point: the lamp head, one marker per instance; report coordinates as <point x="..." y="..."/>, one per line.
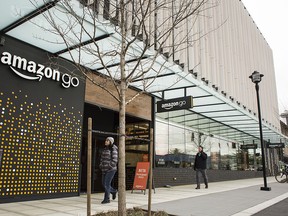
<point x="256" y="77"/>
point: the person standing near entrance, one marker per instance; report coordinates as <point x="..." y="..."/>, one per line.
<point x="108" y="166"/>
<point x="200" y="167"/>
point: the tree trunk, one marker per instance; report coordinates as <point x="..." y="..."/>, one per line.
<point x="121" y="165"/>
<point x="122" y="120"/>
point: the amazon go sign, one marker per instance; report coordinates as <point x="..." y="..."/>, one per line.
<point x="175" y="104"/>
<point x="30" y="70"/>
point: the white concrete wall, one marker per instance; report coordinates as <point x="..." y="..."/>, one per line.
<point x="240" y="49"/>
<point x="230" y="50"/>
<point x="227" y="47"/>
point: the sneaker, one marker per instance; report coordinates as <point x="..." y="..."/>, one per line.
<point x="114" y="195"/>
<point x="197" y="188"/>
<point x="105" y="201"/>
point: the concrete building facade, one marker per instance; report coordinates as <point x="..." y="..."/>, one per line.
<point x="46" y="98"/>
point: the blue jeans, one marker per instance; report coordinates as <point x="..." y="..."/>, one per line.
<point x="107" y="178"/>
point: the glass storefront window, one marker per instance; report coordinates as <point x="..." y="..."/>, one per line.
<point x="176" y="146"/>
<point x="137" y="143"/>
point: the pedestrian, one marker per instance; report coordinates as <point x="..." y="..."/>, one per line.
<point x="200" y="167"/>
<point x="108" y="166"/>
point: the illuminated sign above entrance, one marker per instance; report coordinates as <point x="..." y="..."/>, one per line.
<point x="36" y="71"/>
<point x="175" y="104"/>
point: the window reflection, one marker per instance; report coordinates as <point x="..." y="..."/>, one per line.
<point x="176" y="146"/>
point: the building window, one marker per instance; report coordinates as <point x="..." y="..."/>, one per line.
<point x="176" y="146"/>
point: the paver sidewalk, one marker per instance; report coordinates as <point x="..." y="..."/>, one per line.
<point x="238" y="202"/>
<point x="240" y="197"/>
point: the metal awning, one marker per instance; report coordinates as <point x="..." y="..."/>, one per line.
<point x="213" y="113"/>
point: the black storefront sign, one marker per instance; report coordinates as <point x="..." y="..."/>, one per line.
<point x="249" y="146"/>
<point x="175" y="104"/>
<point x="40" y="123"/>
<point x="275" y="145"/>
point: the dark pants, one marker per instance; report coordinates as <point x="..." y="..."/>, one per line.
<point x="204" y="175"/>
<point x="107" y="178"/>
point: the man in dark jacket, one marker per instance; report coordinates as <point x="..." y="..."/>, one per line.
<point x="200" y="167"/>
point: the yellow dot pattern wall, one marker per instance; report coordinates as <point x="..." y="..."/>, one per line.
<point x="40" y="146"/>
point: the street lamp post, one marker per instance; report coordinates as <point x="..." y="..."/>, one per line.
<point x="256" y="78"/>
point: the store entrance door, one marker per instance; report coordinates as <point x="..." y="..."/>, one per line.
<point x="105" y="121"/>
<point x="97" y="146"/>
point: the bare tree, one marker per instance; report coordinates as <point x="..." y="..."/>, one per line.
<point x="144" y="36"/>
<point x="175" y="151"/>
<point x="198" y="138"/>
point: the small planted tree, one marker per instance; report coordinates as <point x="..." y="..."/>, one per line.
<point x="126" y="42"/>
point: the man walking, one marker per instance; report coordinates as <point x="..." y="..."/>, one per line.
<point x="200" y="167"/>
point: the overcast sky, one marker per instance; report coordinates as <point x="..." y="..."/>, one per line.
<point x="271" y="17"/>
